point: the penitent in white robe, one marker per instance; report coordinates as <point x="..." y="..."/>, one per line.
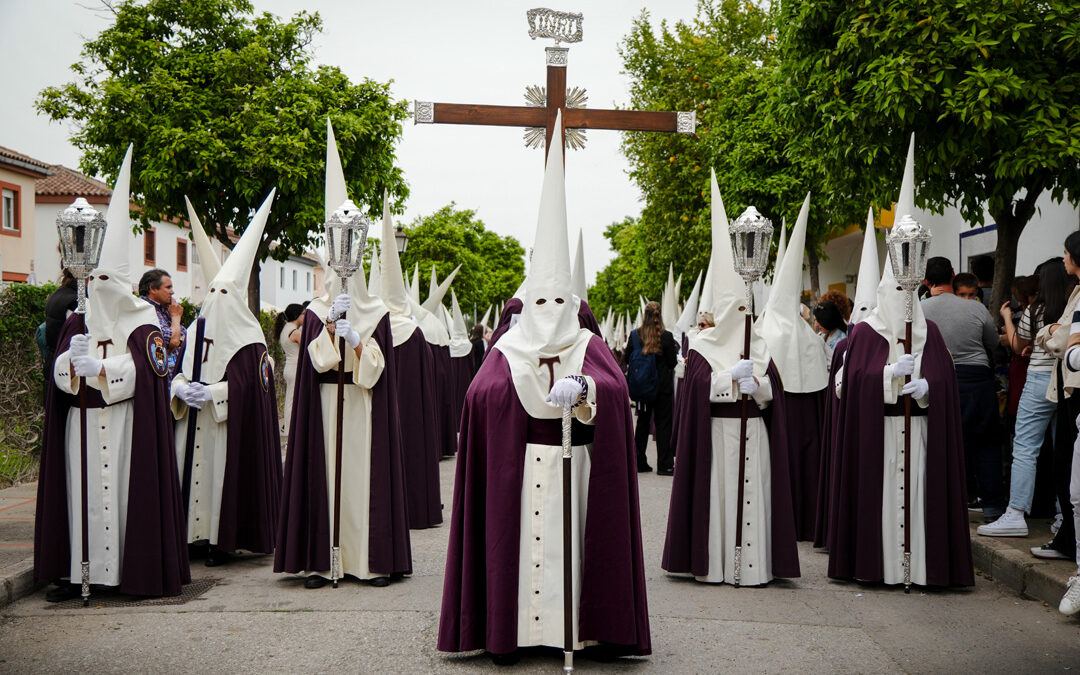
<point x="361" y="374"/>
<point x="724" y="486"/>
<point x="892" y="494"/>
<point x="207" y="458"/>
<point x="108" y="462"/>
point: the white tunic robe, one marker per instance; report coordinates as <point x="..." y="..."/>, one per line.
<point x="892" y="493"/>
<point x="724" y="487"/>
<point x="207" y="459"/>
<point x="364" y="373"/>
<point x="108" y="462"/>
<point x="540" y="562"/>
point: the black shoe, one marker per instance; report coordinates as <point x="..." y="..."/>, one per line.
<point x="315" y="581"/>
<point x="665" y="472"/>
<point x="215" y="556"/>
<point x="379" y="582"/>
<point x="643" y="468"/>
<point x="506" y="659"/>
<point x="63" y="593"/>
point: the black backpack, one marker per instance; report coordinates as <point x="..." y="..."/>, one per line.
<point x="641" y="373"/>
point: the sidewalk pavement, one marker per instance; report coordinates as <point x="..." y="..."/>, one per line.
<point x="1006" y="560"/>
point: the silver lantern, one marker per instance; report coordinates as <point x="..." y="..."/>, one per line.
<point x="751" y="237"/>
<point x="81" y="229"/>
<point x="346" y="237"/>
<point x="909" y="248"/>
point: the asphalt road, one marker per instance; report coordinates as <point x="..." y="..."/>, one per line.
<point x="244" y="618"/>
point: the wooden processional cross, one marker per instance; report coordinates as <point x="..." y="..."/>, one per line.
<point x="543" y="104"/>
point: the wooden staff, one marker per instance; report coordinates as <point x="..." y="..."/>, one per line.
<point x="742" y="451"/>
<point x="193" y="415"/>
<point x="335" y="549"/>
<point x="568" y="540"/>
<point x="84" y="472"/>
<point x="907" y="457"/>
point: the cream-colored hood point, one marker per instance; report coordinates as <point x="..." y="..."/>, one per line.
<point x="869" y="273"/>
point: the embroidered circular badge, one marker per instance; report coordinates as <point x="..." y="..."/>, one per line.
<point x="156" y="354"/>
<point x="266" y="371"/>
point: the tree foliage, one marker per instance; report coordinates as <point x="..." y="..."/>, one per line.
<point x="223" y="104"/>
<point x="492" y="266"/>
<point x="991" y="89"/>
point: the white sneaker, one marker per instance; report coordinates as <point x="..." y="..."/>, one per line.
<point x="1070" y="602"/>
<point x="1056" y="525"/>
<point x="1010" y="524"/>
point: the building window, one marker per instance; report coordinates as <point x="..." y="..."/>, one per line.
<point x="294" y="280"/>
<point x="195" y="255"/>
<point x="149" y="247"/>
<point x="308" y="280"/>
<point x="181" y="255"/>
<point x="9" y="209"/>
<point x="282" y="276"/>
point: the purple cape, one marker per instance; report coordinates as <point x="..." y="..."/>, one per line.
<point x="461" y="375"/>
<point x="828" y="442"/>
<point x="303" y="537"/>
<point x="586" y="319"/>
<point x="252" y="486"/>
<point x="444" y="397"/>
<point x="854" y="528"/>
<point x="155" y="551"/>
<point x="479" y="607"/>
<point x="417" y="397"/>
<point x="805" y="419"/>
<point x="686" y="547"/>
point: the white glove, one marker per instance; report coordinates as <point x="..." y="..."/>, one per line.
<point x="194" y="394"/>
<point x="904" y="366"/>
<point x="748" y="385"/>
<point x="80" y="345"/>
<point x="340" y="307"/>
<point x="742" y="370"/>
<point x="344" y="329"/>
<point x="86" y="366"/>
<point x="565" y="393"/>
<point x="917" y="388"/>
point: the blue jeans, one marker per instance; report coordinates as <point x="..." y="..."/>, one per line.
<point x="1032" y="419"/>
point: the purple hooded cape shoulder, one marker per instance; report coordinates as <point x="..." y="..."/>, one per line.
<point x="586" y="319"/>
<point x="251" y="491"/>
<point x="686" y="548"/>
<point x="854" y="527"/>
<point x="155" y="551"/>
<point x="444" y="397"/>
<point x="828" y="443"/>
<point x="419" y="406"/>
<point x="303" y="536"/>
<point x="479" y="607"/>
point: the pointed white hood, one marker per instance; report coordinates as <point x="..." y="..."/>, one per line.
<point x="798" y="352"/>
<point x="459" y="336"/>
<point x="577" y="276"/>
<point x="112" y="310"/>
<point x="208" y="260"/>
<point x="432" y="285"/>
<point x="687" y="323"/>
<point x="781" y="248"/>
<point x="723" y="345"/>
<point x="230" y="325"/>
<point x="669" y="304"/>
<point x="375" y="275"/>
<point x="869" y="273"/>
<point x="888" y="317"/>
<point x="437" y="293"/>
<point x="414" y="285"/>
<point x="394" y="296"/>
<point x="486" y="319"/>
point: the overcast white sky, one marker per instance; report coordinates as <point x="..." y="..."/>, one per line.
<point x="433" y="50"/>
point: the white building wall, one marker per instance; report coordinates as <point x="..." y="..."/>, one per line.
<point x="282" y="283"/>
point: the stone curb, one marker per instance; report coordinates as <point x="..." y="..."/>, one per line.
<point x="1031" y="577"/>
<point x="17" y="581"/>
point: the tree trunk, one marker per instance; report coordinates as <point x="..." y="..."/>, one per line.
<point x="1009" y="228"/>
<point x="253" y="289"/>
<point x="815" y="279"/>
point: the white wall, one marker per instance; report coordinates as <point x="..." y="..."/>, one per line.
<point x="282" y="283"/>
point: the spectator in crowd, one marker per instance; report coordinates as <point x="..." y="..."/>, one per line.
<point x="156" y="287"/>
<point x="829" y="323"/>
<point x="939" y="276"/>
<point x="983" y="268"/>
<point x="966" y="286"/>
<point x="288" y="328"/>
<point x="1034" y="412"/>
<point x="63" y="301"/>
<point x="652" y="340"/>
<point x="1054" y="338"/>
<point x="479" y="346"/>
<point x="970" y="335"/>
<point x="706" y="320"/>
<point x="842" y="302"/>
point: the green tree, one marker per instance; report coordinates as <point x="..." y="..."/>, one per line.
<point x="721" y="64"/>
<point x="223" y="104"/>
<point x="492" y="266"/>
<point x="617" y="285"/>
<point x="991" y="89"/>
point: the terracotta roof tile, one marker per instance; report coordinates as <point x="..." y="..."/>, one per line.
<point x="69" y="182"/>
<point x="8" y="156"/>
